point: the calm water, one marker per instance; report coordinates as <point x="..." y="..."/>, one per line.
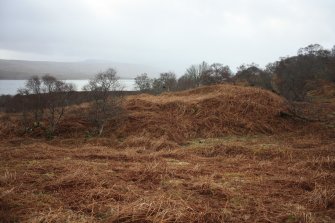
<point x="11" y="86"/>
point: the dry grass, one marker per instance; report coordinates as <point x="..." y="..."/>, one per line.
<point x="322" y="198"/>
<point x="213" y="154"/>
<point x="212" y="111"/>
<point x="148" y="142"/>
<point x="237" y="179"/>
<point x="205" y="112"/>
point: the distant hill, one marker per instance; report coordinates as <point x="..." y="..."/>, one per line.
<point x="22" y="69"/>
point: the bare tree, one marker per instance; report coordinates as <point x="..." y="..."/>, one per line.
<point x="57" y="95"/>
<point x="143" y="82"/>
<point x="166" y="82"/>
<point x="47" y="96"/>
<point x="33" y="87"/>
<point x="24" y="106"/>
<point x="195" y="72"/>
<point x="157" y="86"/>
<point x="333" y="51"/>
<point x="311" y="49"/>
<point x="105" y="91"/>
<point x="203" y="74"/>
<point x="292" y="76"/>
<point x="185" y="82"/>
<point x="253" y="75"/>
<point x="215" y="74"/>
<point x="169" y="81"/>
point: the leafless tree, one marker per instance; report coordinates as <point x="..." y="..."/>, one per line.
<point x="253" y="75"/>
<point x="215" y="74"/>
<point x="195" y="72"/>
<point x="157" y="86"/>
<point x="166" y="82"/>
<point x="33" y="87"/>
<point x="105" y="92"/>
<point x="185" y="82"/>
<point x="24" y="106"/>
<point x="314" y="50"/>
<point x="292" y="76"/>
<point x="57" y="95"/>
<point x="143" y="82"/>
<point x="47" y="96"/>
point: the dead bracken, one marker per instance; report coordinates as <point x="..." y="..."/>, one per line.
<point x="214" y="154"/>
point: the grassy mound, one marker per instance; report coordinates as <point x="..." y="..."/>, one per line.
<point x="172" y="118"/>
<point x="204" y="112"/>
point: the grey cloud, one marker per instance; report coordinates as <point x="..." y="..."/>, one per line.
<point x="168" y="34"/>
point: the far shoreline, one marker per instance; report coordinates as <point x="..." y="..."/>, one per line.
<point x="66" y="79"/>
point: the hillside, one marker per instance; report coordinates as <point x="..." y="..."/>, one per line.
<point x="211" y="111"/>
<point x="21" y="70"/>
<point x="222" y="153"/>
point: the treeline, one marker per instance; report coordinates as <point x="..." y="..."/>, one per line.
<point x="288" y="77"/>
<point x="43" y="102"/>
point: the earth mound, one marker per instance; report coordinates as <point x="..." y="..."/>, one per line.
<point x="210" y="111"/>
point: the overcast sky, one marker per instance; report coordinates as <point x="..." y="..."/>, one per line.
<point x="169" y="34"/>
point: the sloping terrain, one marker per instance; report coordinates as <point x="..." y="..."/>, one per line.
<point x="214" y="154"/>
<point x="282" y="178"/>
<point x="212" y="111"/>
<point x="205" y="112"/>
